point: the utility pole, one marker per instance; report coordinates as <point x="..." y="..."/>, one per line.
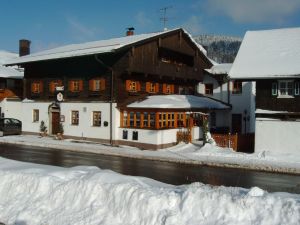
<point x="164" y="17"/>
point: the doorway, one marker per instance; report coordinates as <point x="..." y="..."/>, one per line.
<point x="236" y="123"/>
<point x="54" y="122"/>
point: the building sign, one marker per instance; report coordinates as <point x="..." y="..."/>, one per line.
<point x="60" y="97"/>
<point x="59" y="88"/>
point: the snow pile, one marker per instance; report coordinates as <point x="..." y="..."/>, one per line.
<point x="36" y="195"/>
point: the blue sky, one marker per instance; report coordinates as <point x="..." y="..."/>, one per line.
<point x="52" y="23"/>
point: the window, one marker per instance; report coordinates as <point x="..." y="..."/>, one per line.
<point x="96" y="118"/>
<point x="168" y="88"/>
<point x="133" y="86"/>
<point x="74" y="117"/>
<point x="237" y="87"/>
<point x="53" y="85"/>
<point x="285" y="88"/>
<point x="274" y="89"/>
<point x="124" y="119"/>
<point x="152" y="87"/>
<point x="97" y="84"/>
<point x="35" y="115"/>
<point x="36" y="87"/>
<point x="75" y="85"/>
<point x="297" y="89"/>
<point x="209" y="89"/>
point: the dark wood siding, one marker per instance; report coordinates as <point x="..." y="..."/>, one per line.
<point x="265" y="100"/>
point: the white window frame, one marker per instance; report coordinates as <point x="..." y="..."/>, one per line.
<point x="274" y="89"/>
<point x="284" y="92"/>
<point x="35" y="115"/>
<point x="297" y="88"/>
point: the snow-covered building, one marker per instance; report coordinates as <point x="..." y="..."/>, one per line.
<point x="10" y="88"/>
<point x="271" y="58"/>
<point x="240" y="95"/>
<point x="100" y="90"/>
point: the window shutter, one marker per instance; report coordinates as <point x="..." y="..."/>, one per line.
<point x="156" y="87"/>
<point x="164" y="88"/>
<point x="41" y="86"/>
<point x="51" y="87"/>
<point x="138" y="86"/>
<point x="172" y="89"/>
<point x="71" y="85"/>
<point x="128" y="85"/>
<point x="297" y="89"/>
<point x="80" y="85"/>
<point x="274" y="89"/>
<point x="91" y="85"/>
<point x="102" y="83"/>
<point x="148" y="86"/>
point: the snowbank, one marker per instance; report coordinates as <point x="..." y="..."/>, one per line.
<point x="36" y="195"/>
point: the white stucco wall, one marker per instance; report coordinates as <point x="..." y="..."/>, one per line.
<point x="11" y="109"/>
<point x="157" y="137"/>
<point x="277" y="136"/>
<point x="239" y="102"/>
<point x="83" y="129"/>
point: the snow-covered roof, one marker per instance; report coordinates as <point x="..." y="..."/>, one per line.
<point x="223" y="68"/>
<point x="95" y="47"/>
<point x="268" y="54"/>
<point x="8" y="72"/>
<point x="178" y="102"/>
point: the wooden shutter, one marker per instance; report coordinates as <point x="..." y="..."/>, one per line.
<point x="80" y="85"/>
<point x="128" y="85"/>
<point x="41" y="86"/>
<point x="102" y="83"/>
<point x="138" y="86"/>
<point x="91" y="85"/>
<point x="148" y="84"/>
<point x="51" y="87"/>
<point x="172" y="88"/>
<point x="164" y="88"/>
<point x="71" y="85"/>
<point x="156" y="87"/>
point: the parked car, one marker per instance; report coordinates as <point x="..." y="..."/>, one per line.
<point x="9" y="126"/>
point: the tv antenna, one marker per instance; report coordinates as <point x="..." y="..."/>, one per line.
<point x="164" y="17"/>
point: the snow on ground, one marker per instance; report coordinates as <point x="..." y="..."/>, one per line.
<point x="184" y="153"/>
<point x="38" y="195"/>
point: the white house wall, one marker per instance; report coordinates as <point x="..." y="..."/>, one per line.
<point x="11" y="109"/>
<point x="239" y="102"/>
<point x="157" y="137"/>
<point x="277" y="136"/>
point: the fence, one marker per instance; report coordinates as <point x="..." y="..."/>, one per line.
<point x="184" y="136"/>
<point x="226" y="140"/>
<point x="238" y="142"/>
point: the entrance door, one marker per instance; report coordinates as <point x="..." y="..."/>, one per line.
<point x="55" y="122"/>
<point x="236" y="123"/>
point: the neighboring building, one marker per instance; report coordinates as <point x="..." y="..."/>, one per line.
<point x="271" y="58"/>
<point x="240" y="95"/>
<point x="11" y="87"/>
<point x="90" y="88"/>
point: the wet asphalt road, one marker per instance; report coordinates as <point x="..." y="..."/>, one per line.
<point x="172" y="173"/>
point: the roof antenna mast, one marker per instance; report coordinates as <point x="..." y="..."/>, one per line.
<point x="164" y="17"/>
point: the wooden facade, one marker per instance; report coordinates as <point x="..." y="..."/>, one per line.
<point x="172" y="62"/>
<point x="267" y="100"/>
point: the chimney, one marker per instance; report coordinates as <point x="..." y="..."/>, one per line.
<point x="130" y="31"/>
<point x="24" y="47"/>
